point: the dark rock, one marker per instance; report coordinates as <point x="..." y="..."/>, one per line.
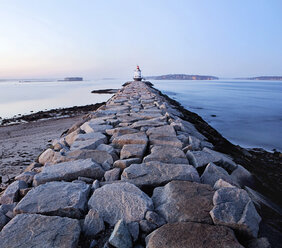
<point x="189" y="234"/>
<point x="180" y="201"/>
<point x="34" y="230"/>
<point x="56" y="198"/>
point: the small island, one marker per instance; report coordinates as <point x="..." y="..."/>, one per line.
<point x="272" y="78"/>
<point x="72" y="79"/>
<point x="182" y="77"/>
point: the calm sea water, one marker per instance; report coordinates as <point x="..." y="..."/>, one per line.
<point x="23" y="97"/>
<point x="248" y="113"/>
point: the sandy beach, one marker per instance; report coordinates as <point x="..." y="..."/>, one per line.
<point x="21" y="144"/>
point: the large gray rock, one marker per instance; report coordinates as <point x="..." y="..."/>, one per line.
<point x="156" y="122"/>
<point x="135" y="138"/>
<point x="180" y="201"/>
<point x="120" y="201"/>
<point x="3" y="220"/>
<point x="166" y="154"/>
<point x="34" y="230"/>
<point x="160" y="131"/>
<point x="225" y="160"/>
<point x="48" y="156"/>
<point x="163" y="140"/>
<point x="242" y="176"/>
<point x="199" y="158"/>
<point x="121" y="131"/>
<point x="146" y="115"/>
<point x="157" y="173"/>
<point x="234" y="208"/>
<point x="109" y="149"/>
<point x="88" y="141"/>
<point x="93" y="223"/>
<point x="11" y="194"/>
<point x="213" y="173"/>
<point x="71" y="137"/>
<point x="91" y="127"/>
<point x="98" y="156"/>
<point x="120" y="236"/>
<point x="69" y="171"/>
<point x="56" y="198"/>
<point x="132" y="151"/>
<point x="189" y="234"/>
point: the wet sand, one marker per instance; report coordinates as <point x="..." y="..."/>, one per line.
<point x="21" y="144"/>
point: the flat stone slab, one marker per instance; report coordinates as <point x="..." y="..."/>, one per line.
<point x="188" y="234"/>
<point x="161" y="140"/>
<point x="34" y="230"/>
<point x="166" y="154"/>
<point x="180" y="201"/>
<point x="98" y="156"/>
<point x="56" y="198"/>
<point x="69" y="171"/>
<point x="201" y="158"/>
<point x="156" y="173"/>
<point x="234" y="208"/>
<point x="163" y="130"/>
<point x="120" y="201"/>
<point x="88" y="141"/>
<point x="147" y="115"/>
<point x="135" y="138"/>
<point x="90" y="127"/>
<point x="132" y="151"/>
<point x="121" y="131"/>
<point x="149" y="123"/>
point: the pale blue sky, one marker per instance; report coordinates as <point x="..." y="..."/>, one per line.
<point x="107" y="38"/>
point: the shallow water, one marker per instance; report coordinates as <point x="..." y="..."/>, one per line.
<point x="22" y="98"/>
<point x="248" y="113"/>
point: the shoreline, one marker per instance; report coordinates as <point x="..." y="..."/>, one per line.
<point x="23" y="138"/>
<point x="57" y="113"/>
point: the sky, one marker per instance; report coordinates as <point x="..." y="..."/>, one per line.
<point x="108" y="38"/>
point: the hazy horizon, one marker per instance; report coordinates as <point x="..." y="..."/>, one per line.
<point x="106" y="39"/>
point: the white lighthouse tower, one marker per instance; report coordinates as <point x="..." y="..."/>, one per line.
<point x="137" y="74"/>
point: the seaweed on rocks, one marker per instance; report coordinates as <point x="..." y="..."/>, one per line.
<point x="52" y="114"/>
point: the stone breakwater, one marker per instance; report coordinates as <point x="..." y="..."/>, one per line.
<point x="131" y="174"/>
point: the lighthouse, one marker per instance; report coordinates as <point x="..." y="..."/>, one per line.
<point x="137" y="74"/>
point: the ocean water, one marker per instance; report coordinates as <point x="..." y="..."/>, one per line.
<point x="23" y="97"/>
<point x="248" y="113"/>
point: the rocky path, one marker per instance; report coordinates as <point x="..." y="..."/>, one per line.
<point x="132" y="174"/>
